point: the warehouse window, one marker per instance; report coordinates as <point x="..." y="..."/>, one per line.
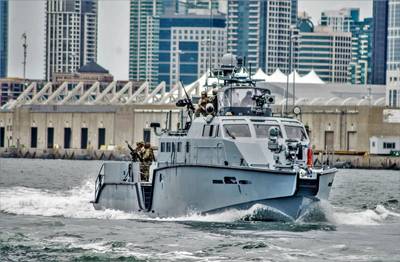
<point x="146" y="135"/>
<point x="33" y="137"/>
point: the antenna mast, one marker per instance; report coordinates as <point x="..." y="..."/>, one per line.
<point x="24" y="46"/>
<point x="210" y="34"/>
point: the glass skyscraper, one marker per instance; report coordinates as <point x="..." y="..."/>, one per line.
<point x="71" y="35"/>
<point x="348" y="20"/>
<point x="379" y="49"/>
<point x="143" y="40"/>
<point x="259" y="30"/>
<point x="393" y="54"/>
<point x="3" y="37"/>
<point x="326" y="52"/>
<point x="187" y="43"/>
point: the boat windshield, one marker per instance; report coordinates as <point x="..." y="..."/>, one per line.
<point x="237" y="130"/>
<point x="262" y="130"/>
<point x="296" y="132"/>
<point x="239" y="97"/>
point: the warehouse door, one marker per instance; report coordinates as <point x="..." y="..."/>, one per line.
<point x="351" y="141"/>
<point x="102" y="137"/>
<point x="33" y="137"/>
<point x="67" y="137"/>
<point x="329" y="141"/>
<point x="50" y="137"/>
<point x="2" y="136"/>
<point x="84" y="138"/>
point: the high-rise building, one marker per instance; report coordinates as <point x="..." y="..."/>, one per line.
<point x="348" y="20"/>
<point x="326" y="52"/>
<point x="360" y="68"/>
<point x="3" y="37"/>
<point x="189" y="45"/>
<point x="143" y="41"/>
<point x="246" y="30"/>
<point x="393" y="54"/>
<point x="340" y="20"/>
<point x="260" y="31"/>
<point x="379" y="49"/>
<point x="71" y="35"/>
<point x="280" y="41"/>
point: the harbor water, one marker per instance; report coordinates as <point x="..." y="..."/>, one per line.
<point x="46" y="215"/>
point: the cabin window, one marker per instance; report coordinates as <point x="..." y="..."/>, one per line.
<point x="262" y="130"/>
<point x="173" y="147"/>
<point x="216" y="132"/>
<point x="296" y="132"/>
<point x="208" y="130"/>
<point x="187" y="147"/>
<point x="163" y="147"/>
<point x="168" y="147"/>
<point x="211" y="130"/>
<point x="179" y="147"/>
<point x="235" y="130"/>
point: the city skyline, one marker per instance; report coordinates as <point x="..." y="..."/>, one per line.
<point x="113" y="44"/>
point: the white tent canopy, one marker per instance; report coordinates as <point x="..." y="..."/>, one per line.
<point x="312" y="78"/>
<point x="259" y="75"/>
<point x="279" y="77"/>
<point x="294" y="76"/>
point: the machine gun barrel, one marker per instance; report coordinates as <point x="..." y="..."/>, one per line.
<point x="190" y="103"/>
<point x="130" y="147"/>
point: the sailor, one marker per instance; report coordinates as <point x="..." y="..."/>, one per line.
<point x="214" y="99"/>
<point x="148" y="158"/>
<point x="137" y="154"/>
<point x="247" y="100"/>
<point x="201" y="106"/>
<point x="235" y="99"/>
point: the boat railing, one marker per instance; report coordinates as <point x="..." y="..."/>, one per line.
<point x="99" y="183"/>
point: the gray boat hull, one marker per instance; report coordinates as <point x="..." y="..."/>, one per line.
<point x="182" y="190"/>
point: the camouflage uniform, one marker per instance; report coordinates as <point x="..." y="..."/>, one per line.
<point x="137" y="154"/>
<point x="148" y="158"/>
<point x="214" y="100"/>
<point x="201" y="106"/>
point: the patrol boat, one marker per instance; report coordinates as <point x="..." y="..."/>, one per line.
<point x="235" y="156"/>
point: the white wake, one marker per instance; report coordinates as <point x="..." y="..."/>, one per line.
<point x="75" y="203"/>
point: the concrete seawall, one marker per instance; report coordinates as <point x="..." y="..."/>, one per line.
<point x="362" y="161"/>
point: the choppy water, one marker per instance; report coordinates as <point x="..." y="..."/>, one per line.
<point x="45" y="215"/>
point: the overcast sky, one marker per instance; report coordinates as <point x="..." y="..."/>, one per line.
<point x="113" y="44"/>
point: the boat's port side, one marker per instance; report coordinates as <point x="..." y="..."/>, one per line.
<point x="184" y="189"/>
<point x="118" y="187"/>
